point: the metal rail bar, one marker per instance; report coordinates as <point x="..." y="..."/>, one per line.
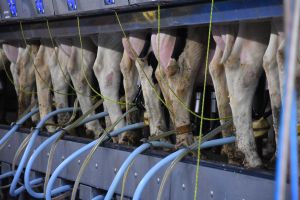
<point x="184" y="15"/>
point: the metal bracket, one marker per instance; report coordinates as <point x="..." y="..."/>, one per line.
<point x="39" y="5"/>
<point x="12" y="7"/>
<point x="72" y="4"/>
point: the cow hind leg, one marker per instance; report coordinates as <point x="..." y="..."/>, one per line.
<point x="152" y="103"/>
<point x="217" y="72"/>
<point x="271" y="70"/>
<point x="241" y="95"/>
<point x="80" y="72"/>
<point x="43" y="81"/>
<point x="60" y="81"/>
<point x="130" y="78"/>
<point x="107" y="70"/>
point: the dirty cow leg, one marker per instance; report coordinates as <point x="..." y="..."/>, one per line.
<point x="277" y="26"/>
<point x="80" y="70"/>
<point x="271" y="70"/>
<point x="34" y="100"/>
<point x="26" y="76"/>
<point x="108" y="74"/>
<point x="43" y="82"/>
<point x="140" y="43"/>
<point x="217" y="72"/>
<point x="153" y="106"/>
<point x="180" y="76"/>
<point x="243" y="69"/>
<point x="60" y="81"/>
<point x="130" y="79"/>
<point x="280" y="62"/>
<point x="14" y="70"/>
<point x="11" y="52"/>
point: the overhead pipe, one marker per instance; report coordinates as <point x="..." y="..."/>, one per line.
<point x="17" y="125"/>
<point x="48" y="141"/>
<point x="171" y="157"/>
<point x="126" y="163"/>
<point x="12" y="190"/>
<point x="83" y="149"/>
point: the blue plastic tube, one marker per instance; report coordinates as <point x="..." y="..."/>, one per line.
<point x="17" y="125"/>
<point x="36" y="153"/>
<point x="12" y="190"/>
<point x="294" y="151"/>
<point x="139" y="190"/>
<point x="83" y="149"/>
<point x="125" y="165"/>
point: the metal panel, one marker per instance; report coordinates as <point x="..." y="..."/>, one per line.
<point x="41" y="8"/>
<point x="71" y="7"/>
<point x="195" y="14"/>
<point x="26" y="9"/>
<point x="216" y="181"/>
<point x="162" y="2"/>
<point x="12" y="12"/>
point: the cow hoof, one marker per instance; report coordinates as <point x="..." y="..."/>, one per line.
<point x="235" y="161"/>
<point x="130" y="138"/>
<point x="92" y="134"/>
<point x="51" y="129"/>
<point x="184" y="140"/>
<point x="115" y="140"/>
<point x="254" y="164"/>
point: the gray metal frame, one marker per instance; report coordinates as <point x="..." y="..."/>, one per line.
<point x="218" y="182"/>
<point x="184" y="15"/>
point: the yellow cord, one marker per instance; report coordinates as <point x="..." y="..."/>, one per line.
<point x="125" y="179"/>
<point x="35" y="67"/>
<point x="203" y="101"/>
<point x="84" y="73"/>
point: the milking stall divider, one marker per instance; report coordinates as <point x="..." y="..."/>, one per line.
<point x="216" y="181"/>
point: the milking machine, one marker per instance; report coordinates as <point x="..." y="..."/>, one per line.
<point x="43" y="146"/>
<point x="10" y="133"/>
<point x="111" y="162"/>
<point x="168" y="159"/>
<point x="13" y="191"/>
<point x="82" y="150"/>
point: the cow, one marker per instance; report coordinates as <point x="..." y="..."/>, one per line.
<point x="79" y="68"/>
<point x="134" y="66"/>
<point x="241" y="52"/>
<point x="179" y="53"/>
<point x="107" y="71"/>
<point x="23" y="73"/>
<point x="43" y="81"/>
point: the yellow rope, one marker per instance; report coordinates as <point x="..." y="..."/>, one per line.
<point x="125" y="179"/>
<point x="84" y="73"/>
<point x="35" y="67"/>
<point x="203" y="101"/>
